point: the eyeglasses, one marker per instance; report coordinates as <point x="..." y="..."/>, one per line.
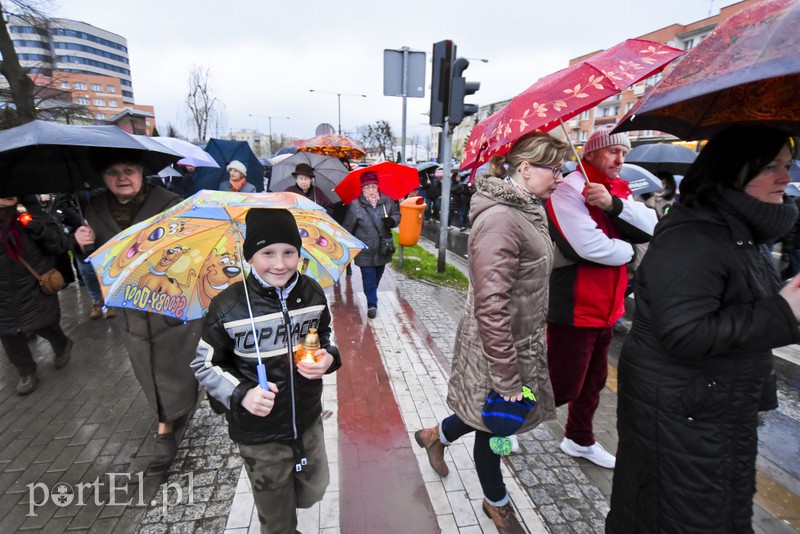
<point x="556" y="169"/>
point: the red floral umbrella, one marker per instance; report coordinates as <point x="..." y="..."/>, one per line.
<point x="394" y="180"/>
<point x="564" y="94"/>
<point x="746" y="71"/>
<point x="337" y="146"/>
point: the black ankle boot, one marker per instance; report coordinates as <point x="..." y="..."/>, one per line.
<point x="164" y="453"/>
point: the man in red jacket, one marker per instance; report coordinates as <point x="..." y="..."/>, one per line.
<point x="593" y="221"/>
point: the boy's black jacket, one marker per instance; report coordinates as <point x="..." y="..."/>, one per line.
<point x="226" y="360"/>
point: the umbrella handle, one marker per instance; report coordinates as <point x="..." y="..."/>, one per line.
<point x="575" y="152"/>
<point x="262" y="376"/>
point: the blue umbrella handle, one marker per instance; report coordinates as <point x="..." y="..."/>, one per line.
<point x="262" y="376"/>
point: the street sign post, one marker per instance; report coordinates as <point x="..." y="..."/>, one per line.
<point x="404" y="75"/>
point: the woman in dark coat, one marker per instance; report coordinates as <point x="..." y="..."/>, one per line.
<point x="26" y="310"/>
<point x="696" y="368"/>
<point x="160" y="348"/>
<point x="370" y="217"/>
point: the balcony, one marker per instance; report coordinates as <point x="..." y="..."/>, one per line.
<point x="603" y="121"/>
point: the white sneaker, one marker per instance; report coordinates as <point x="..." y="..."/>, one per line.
<point x="594" y="453"/>
<point x="514" y="444"/>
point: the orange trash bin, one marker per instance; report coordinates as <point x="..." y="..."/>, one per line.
<point x="412" y="212"/>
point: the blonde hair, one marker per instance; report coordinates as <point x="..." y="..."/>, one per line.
<point x="535" y="147"/>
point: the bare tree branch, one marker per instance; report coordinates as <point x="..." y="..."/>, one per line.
<point x="201" y="105"/>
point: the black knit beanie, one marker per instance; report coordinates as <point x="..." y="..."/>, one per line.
<point x="265" y="227"/>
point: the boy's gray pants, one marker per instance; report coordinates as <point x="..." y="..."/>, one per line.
<point x="278" y="489"/>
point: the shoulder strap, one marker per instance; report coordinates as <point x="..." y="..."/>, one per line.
<point x="25" y="263"/>
<point x="372" y="220"/>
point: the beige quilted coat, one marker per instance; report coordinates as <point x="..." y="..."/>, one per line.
<point x="500" y="342"/>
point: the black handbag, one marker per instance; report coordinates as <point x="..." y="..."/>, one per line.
<point x="386" y="247"/>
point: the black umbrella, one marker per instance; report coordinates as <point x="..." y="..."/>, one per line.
<point x="675" y="159"/>
<point x="48" y="157"/>
<point x="426" y="165"/>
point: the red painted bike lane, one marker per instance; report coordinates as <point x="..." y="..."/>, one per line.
<point x="380" y="486"/>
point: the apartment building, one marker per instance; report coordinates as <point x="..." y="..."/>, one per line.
<point x="76" y="62"/>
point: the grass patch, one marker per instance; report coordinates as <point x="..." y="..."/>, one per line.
<point x="420" y="264"/>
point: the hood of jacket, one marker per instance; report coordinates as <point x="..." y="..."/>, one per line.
<point x="491" y="190"/>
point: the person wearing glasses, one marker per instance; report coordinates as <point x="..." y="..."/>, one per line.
<point x="500" y="342"/>
<point x="594" y="222"/>
<point x="237" y="179"/>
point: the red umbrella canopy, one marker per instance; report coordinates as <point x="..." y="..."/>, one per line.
<point x="394" y="180"/>
<point x="564" y="94"/>
<point x="746" y="71"/>
<point x="337" y="146"/>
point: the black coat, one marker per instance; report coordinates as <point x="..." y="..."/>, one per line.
<point x="359" y="222"/>
<point x="25" y="308"/>
<point x="694" y="372"/>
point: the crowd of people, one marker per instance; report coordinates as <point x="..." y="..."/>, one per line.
<point x="549" y="259"/>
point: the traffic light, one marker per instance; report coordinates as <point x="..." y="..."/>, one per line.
<point x="443" y="54"/>
<point x="459" y="88"/>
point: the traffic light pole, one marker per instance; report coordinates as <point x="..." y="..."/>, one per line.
<point x="444" y="210"/>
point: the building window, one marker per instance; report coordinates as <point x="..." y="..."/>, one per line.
<point x="65" y="85"/>
<point x="97" y="87"/>
<point x="88" y="37"/>
<point x="584" y="135"/>
<point x="80" y="86"/>
<point x="100" y="116"/>
<point x="99" y="102"/>
<point x="111" y="89"/>
<point x="83" y="101"/>
<point x="688" y="44"/>
<point x="628" y="106"/>
<point x="585" y="115"/>
<point x="112" y="103"/>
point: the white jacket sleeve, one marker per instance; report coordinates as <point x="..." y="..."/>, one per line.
<point x="577" y="227"/>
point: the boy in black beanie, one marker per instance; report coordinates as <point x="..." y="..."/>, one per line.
<point x="279" y="430"/>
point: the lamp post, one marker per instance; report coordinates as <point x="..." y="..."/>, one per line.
<point x="339" y="102"/>
<point x="269" y="118"/>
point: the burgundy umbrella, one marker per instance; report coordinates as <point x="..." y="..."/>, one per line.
<point x="747" y="71"/>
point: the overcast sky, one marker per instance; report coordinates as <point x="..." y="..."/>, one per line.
<point x="265" y="55"/>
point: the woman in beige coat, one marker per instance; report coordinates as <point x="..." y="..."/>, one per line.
<point x="500" y="342"/>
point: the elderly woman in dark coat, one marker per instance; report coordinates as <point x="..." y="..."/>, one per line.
<point x="26" y="310"/>
<point x="371" y="217"/>
<point x="160" y="348"/>
<point x="304" y="185"/>
<point x="696" y="367"/>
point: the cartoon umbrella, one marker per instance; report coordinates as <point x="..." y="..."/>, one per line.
<point x="175" y="262"/>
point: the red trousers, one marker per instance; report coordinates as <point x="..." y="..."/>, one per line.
<point x="577" y="358"/>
